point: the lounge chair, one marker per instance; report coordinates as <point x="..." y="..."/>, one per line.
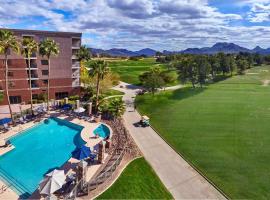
<point x="22" y="121"/>
<point x="6" y="127"/>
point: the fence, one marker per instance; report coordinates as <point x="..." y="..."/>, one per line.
<point x="119" y="148"/>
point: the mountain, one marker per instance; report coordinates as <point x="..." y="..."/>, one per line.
<point x="260" y="50"/>
<point x="147" y="52"/>
<point x="216" y="48"/>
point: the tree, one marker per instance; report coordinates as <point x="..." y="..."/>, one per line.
<point x="258" y="59"/>
<point x="224" y="63"/>
<point x="158" y="54"/>
<point x="153" y="82"/>
<point x="99" y="69"/>
<point x="30" y="46"/>
<point x="232" y="64"/>
<point x="203" y="69"/>
<point x="83" y="54"/>
<point x="8" y="42"/>
<point x="242" y="65"/>
<point x="116" y="107"/>
<point x="48" y="48"/>
<point x="188" y="70"/>
<point x="215" y="65"/>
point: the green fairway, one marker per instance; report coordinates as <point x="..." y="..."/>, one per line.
<point x="223" y="129"/>
<point x="130" y="70"/>
<point x="138" y="181"/>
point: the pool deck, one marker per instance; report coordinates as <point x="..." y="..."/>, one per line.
<point x="86" y="134"/>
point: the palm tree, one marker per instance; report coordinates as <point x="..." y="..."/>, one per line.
<point x="83" y="54"/>
<point x="8" y="42"/>
<point x="116" y="108"/>
<point x="99" y="69"/>
<point x="48" y="48"/>
<point x="30" y="46"/>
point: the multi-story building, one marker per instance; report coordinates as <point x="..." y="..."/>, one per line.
<point x="64" y="71"/>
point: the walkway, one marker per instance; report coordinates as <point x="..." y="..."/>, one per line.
<point x="177" y="175"/>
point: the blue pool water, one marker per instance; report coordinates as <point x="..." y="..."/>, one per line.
<point x="38" y="150"/>
<point x="102" y="130"/>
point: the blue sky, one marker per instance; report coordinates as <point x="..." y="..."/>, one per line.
<point x="136" y="24"/>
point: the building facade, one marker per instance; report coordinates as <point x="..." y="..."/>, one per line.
<point x="64" y="70"/>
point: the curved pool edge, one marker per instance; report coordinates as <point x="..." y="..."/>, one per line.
<point x="88" y="132"/>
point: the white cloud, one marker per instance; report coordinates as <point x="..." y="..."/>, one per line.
<point x="160" y="24"/>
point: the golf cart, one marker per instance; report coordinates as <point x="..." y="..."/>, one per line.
<point x="144" y="122"/>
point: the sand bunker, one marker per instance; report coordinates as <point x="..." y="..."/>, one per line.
<point x="266" y="82"/>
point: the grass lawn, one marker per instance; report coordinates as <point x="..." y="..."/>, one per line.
<point x="223" y="129"/>
<point x="130" y="70"/>
<point x="138" y="181"/>
<point x="112" y="92"/>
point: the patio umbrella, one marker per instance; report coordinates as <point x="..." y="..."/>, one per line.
<point x="66" y="107"/>
<point x="52" y="182"/>
<point x="81" y="153"/>
<point x="5" y="121"/>
<point x="79" y="110"/>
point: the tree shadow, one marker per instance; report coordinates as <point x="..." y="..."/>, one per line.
<point x="186" y="92"/>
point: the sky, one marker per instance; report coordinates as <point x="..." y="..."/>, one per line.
<point x="137" y="24"/>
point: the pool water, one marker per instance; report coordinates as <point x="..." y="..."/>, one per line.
<point x="44" y="147"/>
<point x="102" y="131"/>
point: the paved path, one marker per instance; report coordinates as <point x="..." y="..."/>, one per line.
<point x="177" y="175"/>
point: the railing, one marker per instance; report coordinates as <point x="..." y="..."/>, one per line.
<point x="121" y="146"/>
<point x="76" y="65"/>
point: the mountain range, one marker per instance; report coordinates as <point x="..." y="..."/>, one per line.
<point x="216" y="48"/>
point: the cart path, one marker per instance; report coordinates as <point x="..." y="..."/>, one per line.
<point x="177" y="175"/>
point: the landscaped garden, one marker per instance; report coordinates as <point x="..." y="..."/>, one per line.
<point x="222" y="129"/>
<point x="138" y="181"/>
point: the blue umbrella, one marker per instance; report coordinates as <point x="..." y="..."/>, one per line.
<point x="81" y="153"/>
<point x="5" y="121"/>
<point x="66" y="107"/>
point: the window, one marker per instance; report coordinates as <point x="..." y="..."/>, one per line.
<point x="11" y="84"/>
<point x="10" y="74"/>
<point x="15" y="99"/>
<point x="44" y="62"/>
<point x="35" y="96"/>
<point x="45" y="82"/>
<point x="45" y="72"/>
<point x="61" y="95"/>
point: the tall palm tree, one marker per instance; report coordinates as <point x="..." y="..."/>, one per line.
<point x="99" y="69"/>
<point x="8" y="42"/>
<point x="48" y="48"/>
<point x="30" y="46"/>
<point x="83" y="54"/>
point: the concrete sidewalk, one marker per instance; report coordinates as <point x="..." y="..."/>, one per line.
<point x="176" y="174"/>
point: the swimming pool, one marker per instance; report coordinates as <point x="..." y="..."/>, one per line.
<point x="37" y="150"/>
<point x="102" y="130"/>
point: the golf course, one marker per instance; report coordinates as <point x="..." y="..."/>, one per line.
<point x="223" y="129"/>
<point x="129" y="70"/>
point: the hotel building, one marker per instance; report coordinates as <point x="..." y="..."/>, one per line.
<point x="64" y="71"/>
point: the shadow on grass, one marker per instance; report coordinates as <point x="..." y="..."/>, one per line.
<point x="186" y="92"/>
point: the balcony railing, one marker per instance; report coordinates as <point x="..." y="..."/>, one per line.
<point x="76" y="83"/>
<point x="76" y="65"/>
<point x="34" y="76"/>
<point x="76" y="75"/>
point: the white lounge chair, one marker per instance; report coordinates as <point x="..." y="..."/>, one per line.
<point x="22" y="121"/>
<point x="7" y="127"/>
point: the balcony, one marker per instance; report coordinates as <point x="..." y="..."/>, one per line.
<point x="76" y="75"/>
<point x="76" y="83"/>
<point x="34" y="84"/>
<point x="76" y="65"/>
<point x="76" y="43"/>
